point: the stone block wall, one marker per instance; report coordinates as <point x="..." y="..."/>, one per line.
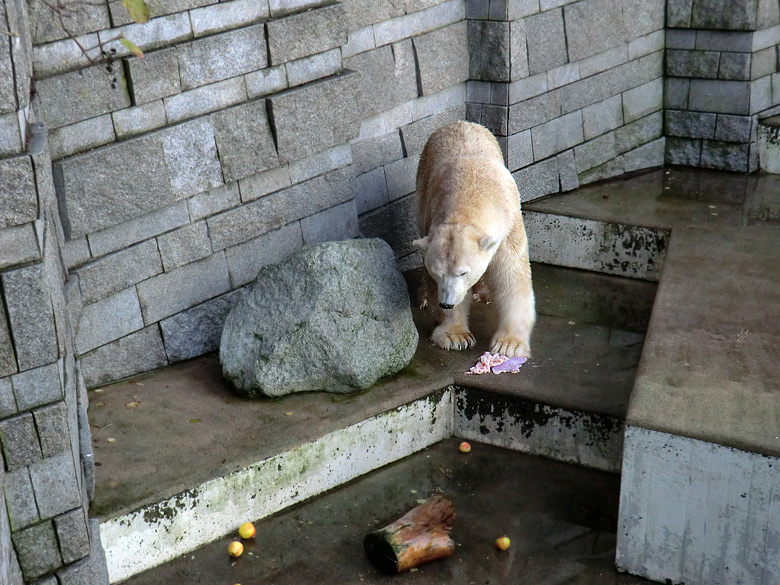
<point x="139" y="196"/>
<point x="721" y="76"/>
<point x="47" y="473"/>
<point x="247" y="130"/>
<point x="574" y="89"/>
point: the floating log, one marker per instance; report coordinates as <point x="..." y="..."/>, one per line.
<point x="419" y="536"/>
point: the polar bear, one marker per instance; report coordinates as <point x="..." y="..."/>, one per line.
<point x="468" y="211"/>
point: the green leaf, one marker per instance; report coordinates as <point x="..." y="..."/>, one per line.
<point x="133" y="48"/>
<point x="137" y="9"/>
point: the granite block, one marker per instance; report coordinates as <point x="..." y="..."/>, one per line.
<point x="7" y="400"/>
<point x="139" y="119"/>
<point x="205" y="99"/>
<point x="260" y="184"/>
<point x="645" y="99"/>
<point x="118" y="271"/>
<point x="55" y="484"/>
<point x="733" y="128"/>
<point x="189" y="285"/>
<point x="313" y="117"/>
<point x="374" y="152"/>
<point x="30" y="315"/>
<point x="108" y="319"/>
<point x="155" y="76"/>
<point x="138" y="352"/>
<point x="277" y="209"/>
<point x="557" y="135"/>
<point x="18" y="245"/>
<point x="317" y="66"/>
<point x="197" y="330"/>
<point x="336" y="223"/>
<point x="371" y="190"/>
<point x="546" y="40"/>
<point x="685" y="124"/>
<point x="442" y="57"/>
<point x="265" y="81"/>
<point x="246" y="259"/>
<point x="20" y="499"/>
<point x="37" y="550"/>
<point x="184" y="245"/>
<point x="226" y="16"/>
<point x="602" y="117"/>
<point x="79" y="95"/>
<point x="320" y="163"/>
<point x="19" y="440"/>
<point x="73" y="535"/>
<point x="81" y="136"/>
<point x="593" y="27"/>
<point x="306" y="33"/>
<point x="211" y="202"/>
<point x="17" y="183"/>
<point x="221" y="56"/>
<point x="387" y="77"/>
<point x="138" y="229"/>
<point x="489" y="50"/>
<point x="720" y="97"/>
<point x="244" y="140"/>
<point x="53" y="432"/>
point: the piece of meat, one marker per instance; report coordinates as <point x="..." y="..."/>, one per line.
<point x="486" y="362"/>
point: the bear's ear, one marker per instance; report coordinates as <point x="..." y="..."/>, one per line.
<point x="487" y="243"/>
<point x="422" y="243"/>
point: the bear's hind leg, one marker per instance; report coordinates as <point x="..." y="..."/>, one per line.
<point x="453" y="329"/>
<point x="481" y="292"/>
<point x="426" y="292"/>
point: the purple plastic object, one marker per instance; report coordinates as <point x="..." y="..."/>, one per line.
<point x="512" y="365"/>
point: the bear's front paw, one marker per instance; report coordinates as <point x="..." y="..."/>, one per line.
<point x="510" y="346"/>
<point x="453" y="338"/>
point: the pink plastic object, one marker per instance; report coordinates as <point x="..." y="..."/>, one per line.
<point x="512" y="365"/>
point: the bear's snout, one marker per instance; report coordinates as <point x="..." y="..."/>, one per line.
<point x="446" y="306"/>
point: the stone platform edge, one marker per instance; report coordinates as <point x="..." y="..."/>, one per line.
<point x="156" y="533"/>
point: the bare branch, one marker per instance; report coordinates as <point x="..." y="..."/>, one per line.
<point x="65" y="9"/>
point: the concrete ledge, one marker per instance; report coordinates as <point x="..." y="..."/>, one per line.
<point x="207" y="457"/>
<point x="161" y="531"/>
<point x="709" y="370"/>
<point x="512" y="422"/>
<point x="702" y="442"/>
<point x="696" y="512"/>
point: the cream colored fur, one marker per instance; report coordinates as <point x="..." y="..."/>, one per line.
<point x="468" y="210"/>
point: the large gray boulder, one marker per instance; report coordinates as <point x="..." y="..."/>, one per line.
<point x="333" y="317"/>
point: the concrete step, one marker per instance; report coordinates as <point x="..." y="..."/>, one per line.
<point x="181" y="460"/>
<point x="701" y="458"/>
<point x="691" y="446"/>
<point x="561" y="520"/>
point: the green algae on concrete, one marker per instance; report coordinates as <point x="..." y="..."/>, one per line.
<point x="561" y="520"/>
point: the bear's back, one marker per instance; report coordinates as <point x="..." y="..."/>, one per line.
<point x="461" y="139"/>
<point x="462" y="178"/>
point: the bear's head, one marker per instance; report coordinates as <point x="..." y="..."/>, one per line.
<point x="456" y="256"/>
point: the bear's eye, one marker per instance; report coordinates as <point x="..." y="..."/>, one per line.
<point x="463" y="273"/>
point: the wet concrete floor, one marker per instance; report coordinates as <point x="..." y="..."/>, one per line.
<point x="590" y="323"/>
<point x="561" y="520"/>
